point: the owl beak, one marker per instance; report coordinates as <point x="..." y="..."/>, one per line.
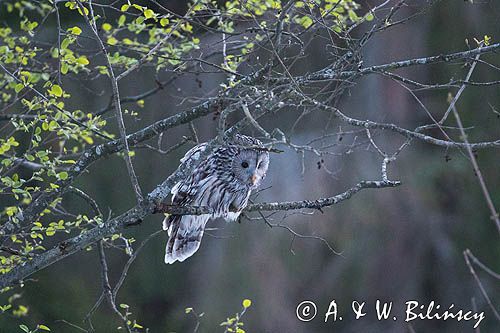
<point x="253" y="179"/>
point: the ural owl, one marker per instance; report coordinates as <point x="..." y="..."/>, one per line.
<point x="222" y="182"/>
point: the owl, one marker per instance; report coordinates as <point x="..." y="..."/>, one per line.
<point x="222" y="182"/>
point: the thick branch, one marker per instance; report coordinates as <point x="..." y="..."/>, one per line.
<point x="97" y="152"/>
<point x="152" y="205"/>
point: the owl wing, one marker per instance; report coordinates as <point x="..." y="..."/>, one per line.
<point x="185" y="231"/>
<point x="240" y="201"/>
<point x="192" y="154"/>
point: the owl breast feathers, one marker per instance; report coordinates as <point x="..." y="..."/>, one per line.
<point x="223" y="182"/>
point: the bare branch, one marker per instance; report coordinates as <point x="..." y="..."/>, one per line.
<point x="152" y="204"/>
<point x="468" y="254"/>
<point x="491" y="206"/>
<point x="107" y="287"/>
<point x="117" y="104"/>
<point x="323" y="202"/>
<point x="328" y="73"/>
<point x="155" y="48"/>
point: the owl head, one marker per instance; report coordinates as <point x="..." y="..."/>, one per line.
<point x="250" y="166"/>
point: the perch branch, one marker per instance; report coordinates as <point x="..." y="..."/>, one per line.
<point x="151" y="205"/>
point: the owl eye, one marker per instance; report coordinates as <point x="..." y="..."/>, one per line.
<point x="244" y="164"/>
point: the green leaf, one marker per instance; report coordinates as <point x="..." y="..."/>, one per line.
<point x="306" y="21"/>
<point x="82" y="60"/>
<point x="56" y="90"/>
<point x="112" y="40"/>
<point x="164" y="22"/>
<point x="18" y="87"/>
<point x="65" y="43"/>
<point x="246" y="303"/>
<point x="63" y="175"/>
<point x="124" y="8"/>
<point x="43" y="327"/>
<point x="75" y="30"/>
<point x="106" y="27"/>
<point x="138" y="7"/>
<point x="121" y="20"/>
<point x="85" y="11"/>
<point x="53" y="125"/>
<point x="487" y="40"/>
<point x="148" y="13"/>
<point x="26" y="76"/>
<point x="353" y="16"/>
<point x="64" y="68"/>
<point x="24" y="328"/>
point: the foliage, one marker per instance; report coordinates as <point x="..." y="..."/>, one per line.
<point x="55" y="54"/>
<point x="47" y="133"/>
<point x="231" y="324"/>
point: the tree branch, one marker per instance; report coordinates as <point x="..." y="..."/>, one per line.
<point x="152" y="204"/>
<point x="106" y="287"/>
<point x="117" y="105"/>
<point x="323" y="202"/>
<point x="329" y="74"/>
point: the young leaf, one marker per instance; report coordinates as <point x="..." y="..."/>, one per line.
<point x="24" y="328"/>
<point x="247" y="303"/>
<point x="63" y="175"/>
<point x="148" y="13"/>
<point x="75" y="31"/>
<point x="106" y="27"/>
<point x="56" y="90"/>
<point x="18" y="87"/>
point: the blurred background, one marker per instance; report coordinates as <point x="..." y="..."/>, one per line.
<point x="396" y="244"/>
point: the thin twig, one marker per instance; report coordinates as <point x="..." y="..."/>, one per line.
<point x="107" y="287"/>
<point x="460" y="91"/>
<point x="117" y="104"/>
<point x="494" y="214"/>
<point x="151" y="52"/>
<point x="480" y="285"/>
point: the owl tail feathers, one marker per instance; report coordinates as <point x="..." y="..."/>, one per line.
<point x="184" y="236"/>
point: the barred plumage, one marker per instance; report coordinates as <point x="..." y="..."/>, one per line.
<point x="222" y="182"/>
